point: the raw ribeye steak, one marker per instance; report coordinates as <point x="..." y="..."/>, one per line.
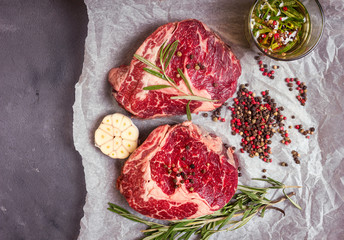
<point x="206" y="61"/>
<point x="179" y="172"/>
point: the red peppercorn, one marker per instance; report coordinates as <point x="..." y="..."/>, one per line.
<point x="272" y="71"/>
<point x="285" y="8"/>
<point x="263" y="35"/>
<point x="274" y="22"/>
<point x="269" y="74"/>
<point x="276" y="36"/>
<point x="261" y="69"/>
<point x="241" y="150"/>
<point x="298" y="82"/>
<point x="265" y="73"/>
<point x="260" y="62"/>
<point x="263" y="93"/>
<point x="297" y="126"/>
<point x="280" y="18"/>
<point x="286" y="143"/>
<point x="307" y="137"/>
<point x="175" y="169"/>
<point x="267" y="137"/>
<point x="286" y="135"/>
<point x="223" y="120"/>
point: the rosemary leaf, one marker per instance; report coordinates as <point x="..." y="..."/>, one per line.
<point x="294" y="203"/>
<point x="207" y="235"/>
<point x="155" y="73"/>
<point x="156" y="87"/>
<point x="187" y="235"/>
<point x="246" y="213"/>
<point x="242" y="223"/>
<point x="185" y="80"/>
<point x="271" y="181"/>
<point x="145" y="61"/>
<point x="195" y="98"/>
<point x="171" y="80"/>
<point x="246" y="188"/>
<point x="240" y="204"/>
<point x="171" y="228"/>
<point x="171" y="53"/>
<point x="188" y="112"/>
<point x="226" y="220"/>
<point x="262" y="212"/>
<point x="161" y="52"/>
<point x="154" y="236"/>
<point x="164" y="54"/>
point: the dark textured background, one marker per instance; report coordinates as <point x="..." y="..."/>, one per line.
<point x="42" y="186"/>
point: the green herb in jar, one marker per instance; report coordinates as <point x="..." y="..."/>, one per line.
<point x="279" y="26"/>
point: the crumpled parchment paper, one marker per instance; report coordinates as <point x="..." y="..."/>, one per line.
<point x="117" y="28"/>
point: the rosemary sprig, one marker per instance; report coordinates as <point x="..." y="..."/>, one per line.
<point x="165" y="56"/>
<point x="246" y="203"/>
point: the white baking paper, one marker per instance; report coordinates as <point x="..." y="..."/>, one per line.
<point x="117" y="28"/>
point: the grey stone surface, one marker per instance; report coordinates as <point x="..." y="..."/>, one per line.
<point x="42" y="186"/>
